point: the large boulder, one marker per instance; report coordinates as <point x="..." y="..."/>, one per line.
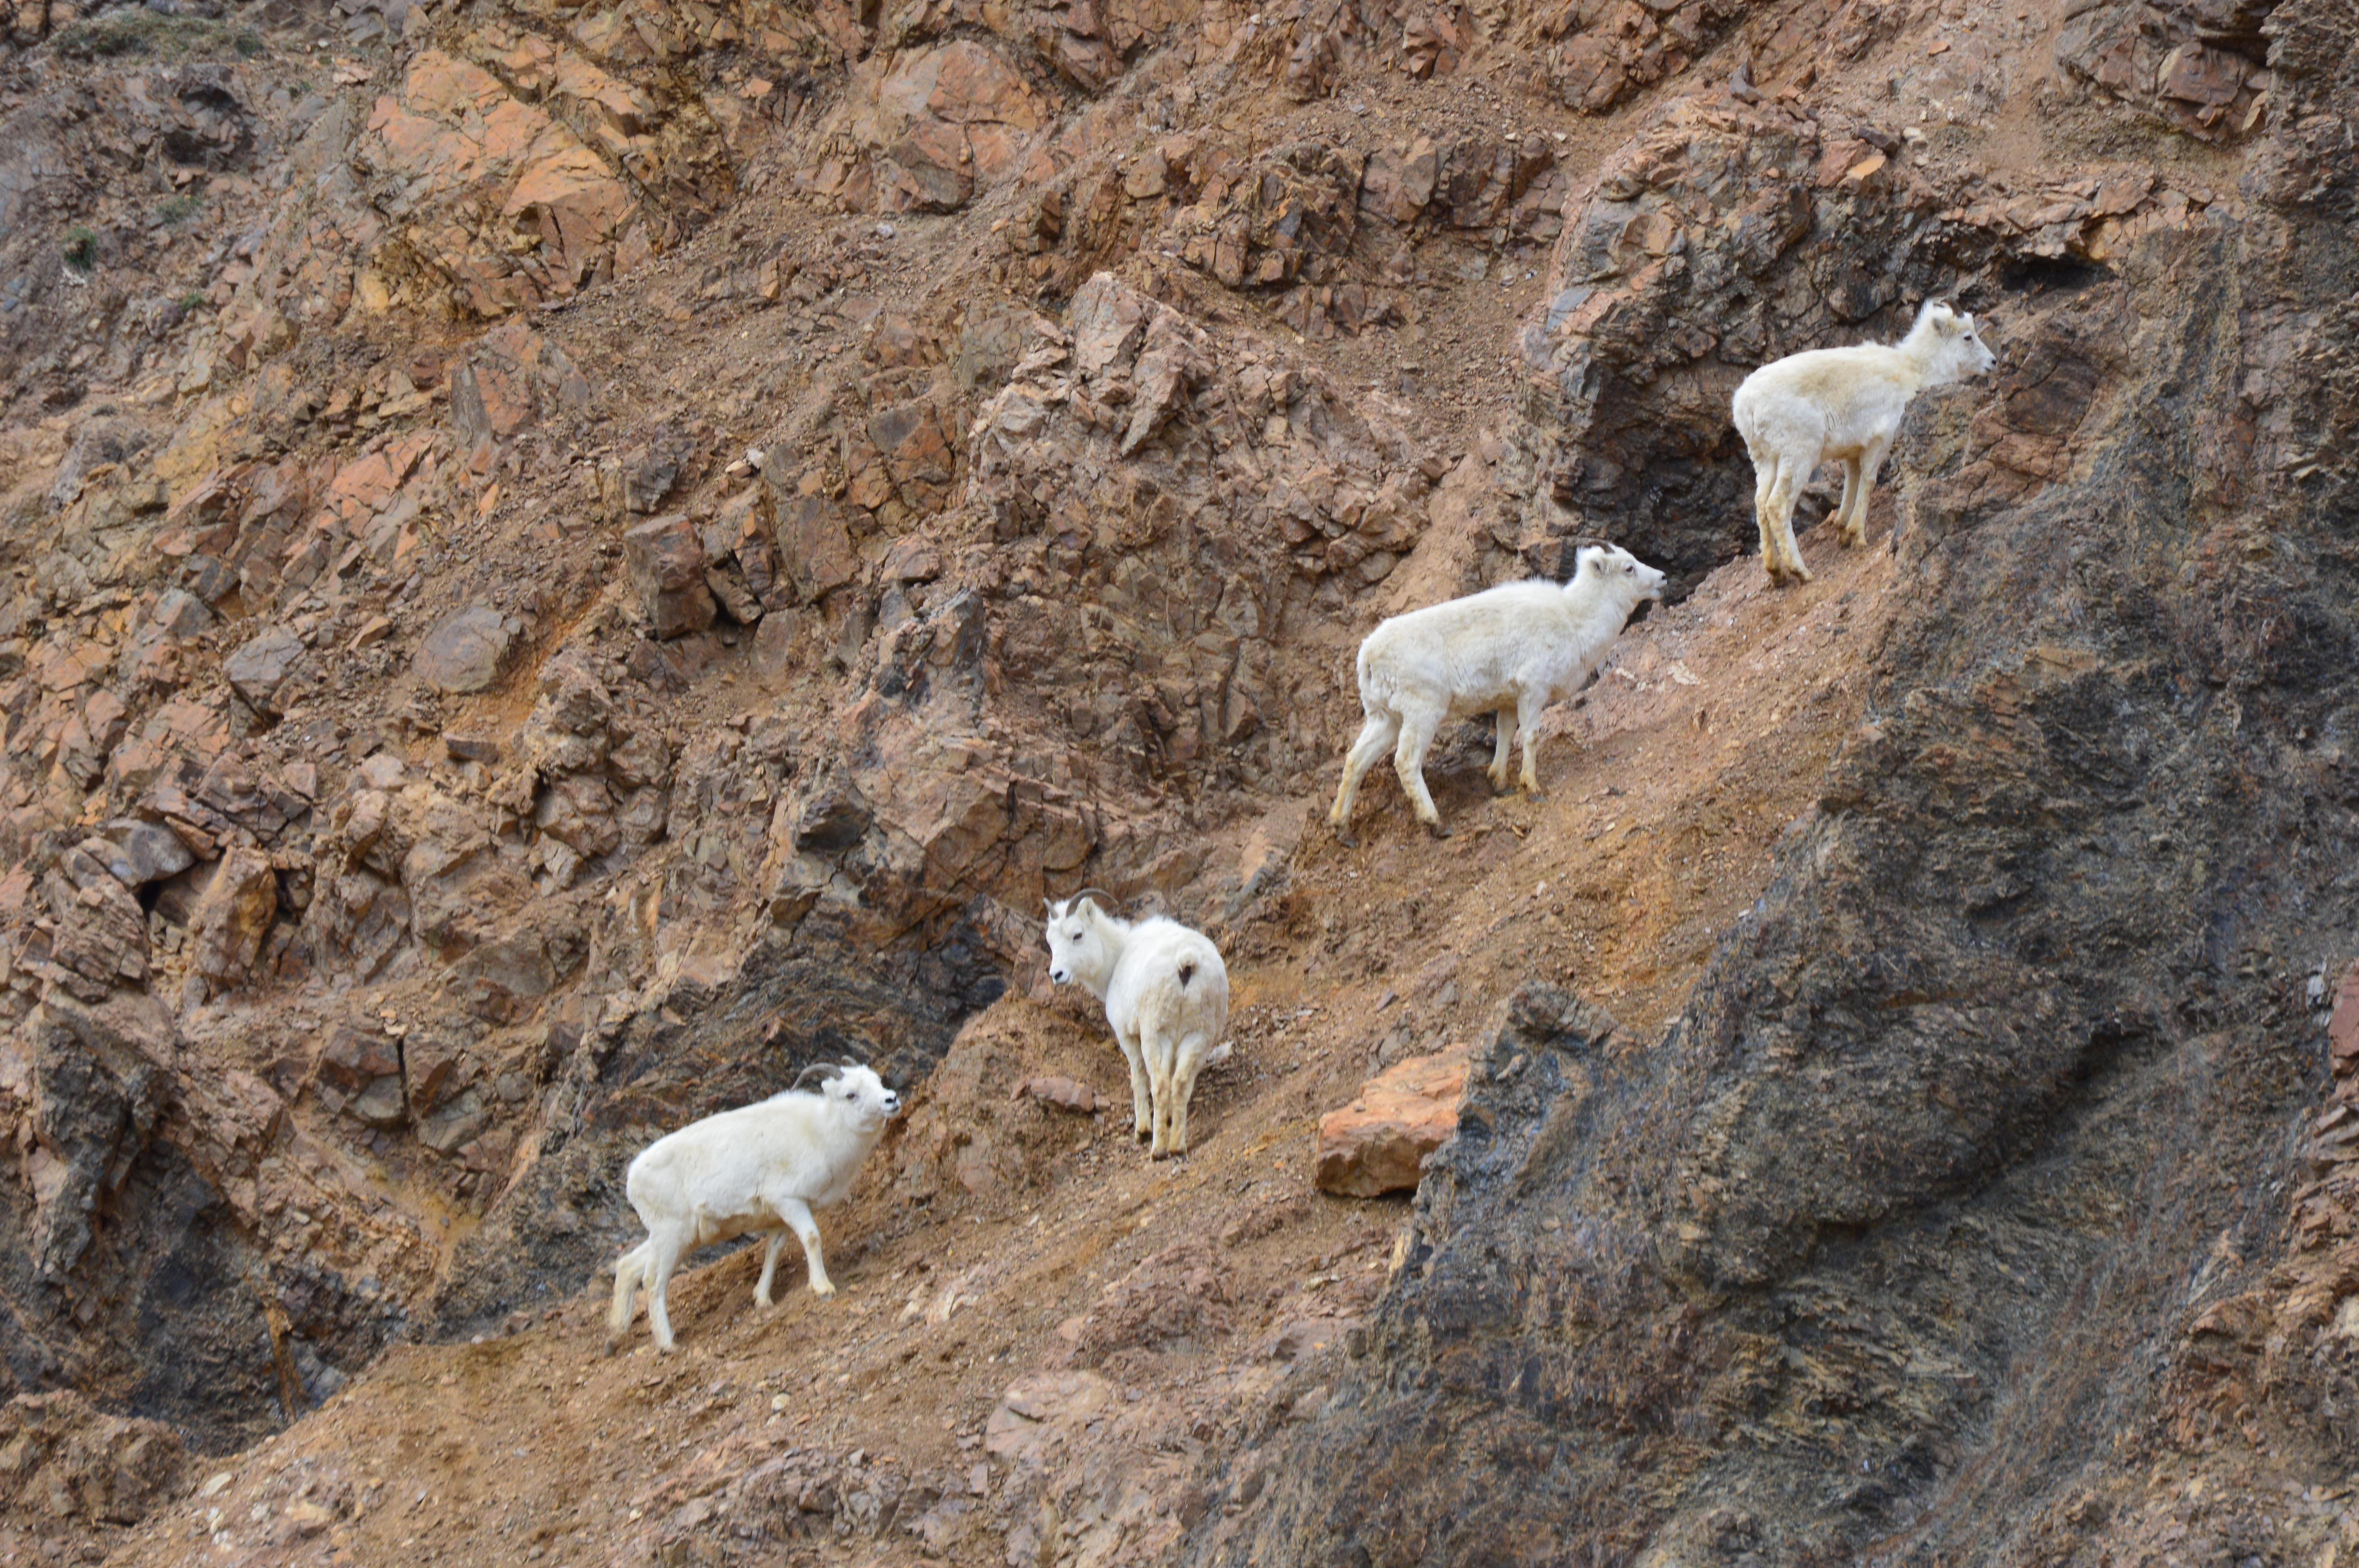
<point x="467" y="652"/>
<point x="1378" y="1143"/>
<point x="666" y="562"/>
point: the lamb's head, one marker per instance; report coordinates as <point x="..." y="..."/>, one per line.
<point x="856" y="1089"/>
<point x="1617" y="572"/>
<point x="1957" y="350"/>
<point x="1084" y="940"/>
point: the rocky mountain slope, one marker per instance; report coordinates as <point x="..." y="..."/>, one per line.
<point x="569" y="561"/>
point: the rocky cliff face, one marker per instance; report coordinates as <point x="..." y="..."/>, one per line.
<point x="1933" y="1209"/>
<point x="567" y="562"/>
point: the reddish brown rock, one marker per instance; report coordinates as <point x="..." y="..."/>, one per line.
<point x="1065" y="1094"/>
<point x="233" y="918"/>
<point x="814" y="547"/>
<point x="63" y="1462"/>
<point x="466" y="651"/>
<point x="484" y="171"/>
<point x="1378" y="1143"/>
<point x="2343" y="1025"/>
<point x="514" y="377"/>
<point x="666" y="562"/>
<point x="259" y="668"/>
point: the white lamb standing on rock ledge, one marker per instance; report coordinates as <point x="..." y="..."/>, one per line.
<point x="1510" y="650"/>
<point x="1167" y="1000"/>
<point x="1799" y="412"/>
<point x="760" y="1167"/>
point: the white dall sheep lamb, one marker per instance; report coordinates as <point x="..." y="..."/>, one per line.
<point x="1510" y="650"/>
<point x="1799" y="412"/>
<point x="1167" y="997"/>
<point x="760" y="1167"/>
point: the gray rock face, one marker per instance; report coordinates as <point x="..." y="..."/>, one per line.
<point x="137" y="853"/>
<point x="179" y="613"/>
<point x="467" y="652"/>
<point x="261" y="666"/>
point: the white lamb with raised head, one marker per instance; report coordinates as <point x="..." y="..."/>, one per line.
<point x="1167" y="997"/>
<point x="1508" y="650"/>
<point x="760" y="1167"/>
<point x="1846" y="403"/>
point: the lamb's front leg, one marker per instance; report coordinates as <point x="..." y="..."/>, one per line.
<point x="797" y="1214"/>
<point x="1861" y="477"/>
<point x="1530" y="706"/>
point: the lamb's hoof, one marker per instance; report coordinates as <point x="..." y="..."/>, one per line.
<point x="824" y="1288"/>
<point x="1346" y="837"/>
<point x="664" y="1347"/>
<point x="1438" y="830"/>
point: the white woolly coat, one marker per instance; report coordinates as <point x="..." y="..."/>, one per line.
<point x="1483" y="653"/>
<point x="727" y="1169"/>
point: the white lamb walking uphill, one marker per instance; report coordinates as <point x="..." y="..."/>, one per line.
<point x="760" y="1167"/>
<point x="1799" y="412"/>
<point x="1510" y="650"/>
<point x="1167" y="997"/>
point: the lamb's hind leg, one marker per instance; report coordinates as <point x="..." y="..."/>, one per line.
<point x="629" y="1268"/>
<point x="1502" y="724"/>
<point x="1193" y="1058"/>
<point x="1142" y="1099"/>
<point x="1417" y="725"/>
<point x="1764" y="492"/>
<point x="778" y="1244"/>
<point x="1157" y="1050"/>
<point x="1777" y="528"/>
<point x="1376" y="737"/>
<point x="667" y="1244"/>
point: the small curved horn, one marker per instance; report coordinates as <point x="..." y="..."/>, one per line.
<point x="1107" y="902"/>
<point x="822" y="1070"/>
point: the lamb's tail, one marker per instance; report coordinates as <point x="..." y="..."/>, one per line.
<point x="629" y="1270"/>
